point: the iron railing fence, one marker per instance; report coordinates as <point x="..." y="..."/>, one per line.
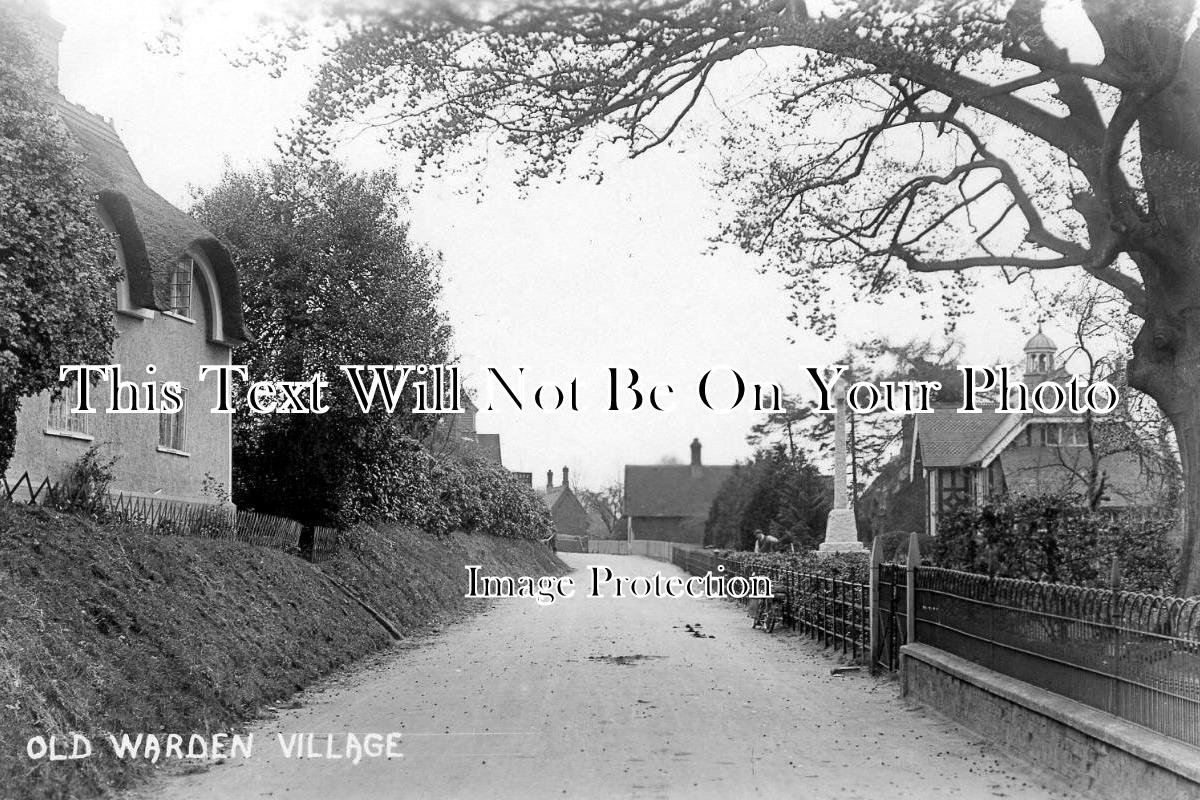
<point x="832" y="611"/>
<point x="694" y="560"/>
<point x="892" y="580"/>
<point x="1133" y="655"/>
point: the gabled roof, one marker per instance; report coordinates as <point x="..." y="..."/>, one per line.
<point x="596" y="527"/>
<point x="551" y="496"/>
<point x="153" y="233"/>
<point x="672" y="490"/>
<point x="948" y="438"/>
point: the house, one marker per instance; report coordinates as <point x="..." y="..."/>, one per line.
<point x="598" y="528"/>
<point x="177" y="306"/>
<point x="570" y="517"/>
<point x="456" y="434"/>
<point x="960" y="459"/>
<point x="670" y="502"/>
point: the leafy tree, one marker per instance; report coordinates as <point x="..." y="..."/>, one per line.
<point x="57" y="264"/>
<point x="330" y="277"/>
<point x="975" y="140"/>
<point x="775" y="493"/>
<point x="607" y="504"/>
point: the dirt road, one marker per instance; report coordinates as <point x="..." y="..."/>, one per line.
<point x="616" y="698"/>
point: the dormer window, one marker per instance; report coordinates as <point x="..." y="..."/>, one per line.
<point x="180" y="288"/>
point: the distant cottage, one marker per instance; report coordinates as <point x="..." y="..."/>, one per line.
<point x="570" y="517"/>
<point x="959" y="459"/>
<point x="455" y="434"/>
<point x="177" y="306"/>
<point x="670" y="502"/>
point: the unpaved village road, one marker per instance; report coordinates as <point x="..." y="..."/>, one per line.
<point x="604" y="698"/>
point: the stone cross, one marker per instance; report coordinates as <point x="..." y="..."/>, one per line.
<point x="841" y="532"/>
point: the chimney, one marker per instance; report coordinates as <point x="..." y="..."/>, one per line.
<point x="566" y="475"/>
<point x="46" y="33"/>
<point x="549" y="479"/>
<point x="696" y="467"/>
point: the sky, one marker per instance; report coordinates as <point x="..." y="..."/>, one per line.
<point x="567" y="281"/>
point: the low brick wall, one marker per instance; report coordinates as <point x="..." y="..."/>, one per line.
<point x="1096" y="753"/>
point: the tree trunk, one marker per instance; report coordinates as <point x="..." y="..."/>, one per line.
<point x="1187" y="432"/>
<point x="1166" y="366"/>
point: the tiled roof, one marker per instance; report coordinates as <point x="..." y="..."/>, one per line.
<point x="952" y="439"/>
<point x="1047" y="470"/>
<point x="154" y="234"/>
<point x="551" y="496"/>
<point x="672" y="490"/>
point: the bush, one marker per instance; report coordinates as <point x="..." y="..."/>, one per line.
<point x="84" y="490"/>
<point x="895" y="545"/>
<point x="841" y="566"/>
<point x="1056" y="539"/>
<point x="407" y="484"/>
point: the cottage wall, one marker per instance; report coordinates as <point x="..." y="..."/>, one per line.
<point x="685" y="530"/>
<point x="177" y="347"/>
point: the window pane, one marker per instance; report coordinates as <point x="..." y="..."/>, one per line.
<point x="180" y="424"/>
<point x="181" y="288"/>
<point x="61" y="417"/>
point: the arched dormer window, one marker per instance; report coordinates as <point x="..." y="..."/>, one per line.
<point x="194" y="287"/>
<point x="124" y="297"/>
<point x="134" y="290"/>
<point x="179" y="288"/>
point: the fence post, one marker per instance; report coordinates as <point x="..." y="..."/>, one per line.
<point x="876" y="641"/>
<point x="910" y="620"/>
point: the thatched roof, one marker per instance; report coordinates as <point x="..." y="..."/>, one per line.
<point x="154" y="234"/>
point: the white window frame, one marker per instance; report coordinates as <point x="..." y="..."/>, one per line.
<point x="61" y="421"/>
<point x="174" y="426"/>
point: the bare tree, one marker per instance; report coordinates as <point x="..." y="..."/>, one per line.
<point x="972" y="139"/>
<point x="1101" y="336"/>
<point x="607" y="504"/>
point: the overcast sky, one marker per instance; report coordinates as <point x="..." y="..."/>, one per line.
<point x="566" y="282"/>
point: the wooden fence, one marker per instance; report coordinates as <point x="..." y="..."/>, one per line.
<point x="167" y="517"/>
<point x="325" y="542"/>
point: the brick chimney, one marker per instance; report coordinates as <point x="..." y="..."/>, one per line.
<point x="549" y="479"/>
<point x="566" y="477"/>
<point x="696" y="466"/>
<point x="46" y="33"/>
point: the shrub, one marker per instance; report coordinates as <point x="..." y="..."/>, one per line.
<point x="85" y="487"/>
<point x="1056" y="539"/>
<point x="841" y="566"/>
<point x="407" y="484"/>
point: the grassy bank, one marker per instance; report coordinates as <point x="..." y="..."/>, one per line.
<point x="104" y="630"/>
